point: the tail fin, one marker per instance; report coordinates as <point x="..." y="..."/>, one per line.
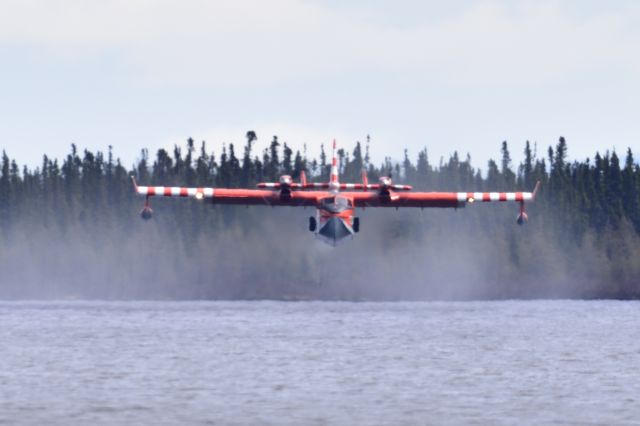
<point x="334" y="165"/>
<point x="303" y="179"/>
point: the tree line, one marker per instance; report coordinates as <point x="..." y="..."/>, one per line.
<point x="588" y="206"/>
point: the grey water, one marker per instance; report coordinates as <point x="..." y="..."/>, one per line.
<point x="317" y="363"/>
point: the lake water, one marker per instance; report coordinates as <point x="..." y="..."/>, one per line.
<point x="314" y="363"/>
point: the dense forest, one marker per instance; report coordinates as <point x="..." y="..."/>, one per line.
<point x="70" y="229"/>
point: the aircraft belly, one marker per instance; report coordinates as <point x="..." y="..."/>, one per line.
<point x="334" y="230"/>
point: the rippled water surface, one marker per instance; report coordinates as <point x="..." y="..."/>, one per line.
<point x="541" y="362"/>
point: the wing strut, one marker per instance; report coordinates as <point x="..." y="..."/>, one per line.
<point x="147" y="212"/>
<point x="523" y="217"/>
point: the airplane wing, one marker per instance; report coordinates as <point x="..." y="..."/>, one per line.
<point x="435" y="199"/>
<point x="232" y="196"/>
<point x="408" y="199"/>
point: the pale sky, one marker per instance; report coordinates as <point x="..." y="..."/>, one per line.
<point x="462" y="75"/>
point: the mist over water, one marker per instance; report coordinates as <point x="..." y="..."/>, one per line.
<point x="267" y="253"/>
<point x="71" y="229"/>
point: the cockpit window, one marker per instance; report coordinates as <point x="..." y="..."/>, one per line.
<point x="336" y="204"/>
<point x="329" y="200"/>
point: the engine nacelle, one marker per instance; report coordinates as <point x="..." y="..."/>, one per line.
<point x="385" y="182"/>
<point x="285" y="187"/>
<point x="384" y="192"/>
<point x="286" y="180"/>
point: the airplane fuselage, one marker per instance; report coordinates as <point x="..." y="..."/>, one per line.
<point x="335" y="219"/>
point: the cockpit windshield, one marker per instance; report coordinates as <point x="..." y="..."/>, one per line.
<point x="335" y="204"/>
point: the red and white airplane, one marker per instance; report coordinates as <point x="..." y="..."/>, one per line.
<point x="335" y="202"/>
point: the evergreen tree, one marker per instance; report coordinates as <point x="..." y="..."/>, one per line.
<point x="588" y="208"/>
<point x="508" y="176"/>
<point x="248" y="169"/>
<point x="287" y="160"/>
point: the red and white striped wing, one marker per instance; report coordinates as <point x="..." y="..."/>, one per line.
<point x="175" y="191"/>
<point x="231" y="196"/>
<point x="433" y="199"/>
<point x="494" y="196"/>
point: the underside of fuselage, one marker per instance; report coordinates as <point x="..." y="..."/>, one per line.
<point x="334" y="230"/>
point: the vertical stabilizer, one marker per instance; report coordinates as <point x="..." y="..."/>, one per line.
<point x="334" y="183"/>
<point x="334" y="164"/>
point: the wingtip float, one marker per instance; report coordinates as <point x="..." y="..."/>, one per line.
<point x="335" y="202"/>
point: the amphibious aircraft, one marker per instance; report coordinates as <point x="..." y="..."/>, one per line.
<point x="335" y="202"/>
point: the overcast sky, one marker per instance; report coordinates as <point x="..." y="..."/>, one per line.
<point x="450" y="76"/>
